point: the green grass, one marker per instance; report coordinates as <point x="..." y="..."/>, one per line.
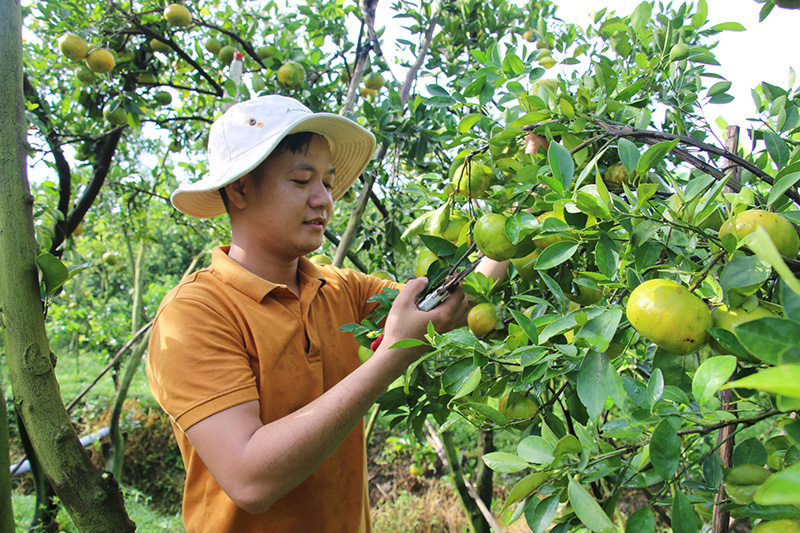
<point x="136" y="503"/>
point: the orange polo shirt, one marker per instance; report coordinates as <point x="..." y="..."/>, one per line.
<point x="223" y="337"/>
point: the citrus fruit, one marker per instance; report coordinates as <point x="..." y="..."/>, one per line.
<point x="85" y="75"/>
<point x="547" y="240"/>
<point x="366" y="92"/>
<point x="160" y="46"/>
<point x="416" y="470"/>
<point x="519" y="407"/>
<point x="364" y="353"/>
<point x="213" y="45"/>
<point x="491" y="238"/>
<point x="472" y="180"/>
<point x="728" y="319"/>
<point x="528" y="36"/>
<point x="424" y="260"/>
<point x="78" y="231"/>
<point x="586" y="295"/>
<point x="482" y="319"/>
<point x="114" y="116"/>
<point x="780" y="230"/>
<point x="616" y="175"/>
<point x="742" y="481"/>
<point x="110" y="258"/>
<point x="535" y="142"/>
<point x="785" y="525"/>
<point x="175" y="146"/>
<point x="668" y="315"/>
<point x="162" y="98"/>
<point x="177" y="15"/>
<point x="547" y="61"/>
<point x="349" y="195"/>
<point x="100" y="60"/>
<point x="291" y="74"/>
<point x="225" y="54"/>
<point x="321" y="259"/>
<point x="265" y="51"/>
<point x="374" y="81"/>
<point x="526" y="266"/>
<point x="454" y="226"/>
<point x="73" y="46"/>
<point x="147" y="78"/>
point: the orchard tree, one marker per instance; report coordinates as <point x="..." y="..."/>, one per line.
<point x="652" y="296"/>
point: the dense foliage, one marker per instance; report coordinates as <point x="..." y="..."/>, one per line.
<point x="631" y="184"/>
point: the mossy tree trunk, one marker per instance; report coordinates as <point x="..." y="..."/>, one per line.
<point x="6" y="509"/>
<point x="93" y="499"/>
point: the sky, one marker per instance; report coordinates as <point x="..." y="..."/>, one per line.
<point x="764" y="52"/>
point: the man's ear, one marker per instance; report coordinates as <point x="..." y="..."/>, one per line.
<point x="238" y="192"/>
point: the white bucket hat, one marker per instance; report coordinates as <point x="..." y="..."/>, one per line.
<point x="249" y="131"/>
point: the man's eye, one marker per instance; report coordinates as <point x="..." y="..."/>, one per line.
<point x="329" y="186"/>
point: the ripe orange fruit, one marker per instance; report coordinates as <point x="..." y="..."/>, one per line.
<point x="291" y="74"/>
<point x="482" y="319"/>
<point x="73" y="46"/>
<point x="491" y="238"/>
<point x="213" y="45"/>
<point x="473" y="180"/>
<point x="526" y="266"/>
<point x="100" y="60"/>
<point x="547" y="240"/>
<point x="116" y="116"/>
<point x="668" y="315"/>
<point x="729" y="319"/>
<point x="780" y="230"/>
<point x="160" y="46"/>
<point x="519" y="407"/>
<point x="374" y="81"/>
<point x="225" y="54"/>
<point x="177" y="15"/>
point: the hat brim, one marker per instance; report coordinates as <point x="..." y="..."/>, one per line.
<point x="351" y="145"/>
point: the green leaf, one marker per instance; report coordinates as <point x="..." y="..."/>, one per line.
<point x="641" y="521"/>
<point x="628" y="154"/>
<point x="512" y="65"/>
<point x="555" y="254"/>
<point x="781" y="185"/>
<point x="600" y="330"/>
<point x="777" y="148"/>
<point x="561" y="164"/>
<point x="701" y="16"/>
<point x="654" y="155"/>
<point x="587" y="509"/>
<point x="458" y="374"/>
<point x="683" y="518"/>
<point x="535" y="450"/>
<point x="773" y="340"/>
<point x="719" y="87"/>
<point x="781" y="488"/>
<point x="54" y="272"/>
<point x="407" y="343"/>
<point x="504" y="462"/>
<point x="790" y="302"/>
<point x="466" y="123"/>
<point x="711" y="375"/>
<point x="544" y="511"/>
<point x="591" y="382"/>
<point x="760" y="242"/>
<point x="527" y="326"/>
<point x="524" y="488"/>
<point x="750" y="452"/>
<point x="744" y="272"/>
<point x="665" y="450"/>
<point x="568" y="444"/>
<point x="783" y="379"/>
<point x="728" y="26"/>
<point x="606" y="255"/>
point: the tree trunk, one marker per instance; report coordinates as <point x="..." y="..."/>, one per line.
<point x="6" y="509"/>
<point x="484" y="476"/>
<point x="477" y="523"/>
<point x="93" y="500"/>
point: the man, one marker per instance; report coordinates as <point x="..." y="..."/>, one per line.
<point x="265" y="395"/>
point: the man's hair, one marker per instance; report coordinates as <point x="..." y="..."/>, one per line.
<point x="295" y="143"/>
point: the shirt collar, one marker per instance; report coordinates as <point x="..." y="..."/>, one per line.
<point x="254" y="286"/>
